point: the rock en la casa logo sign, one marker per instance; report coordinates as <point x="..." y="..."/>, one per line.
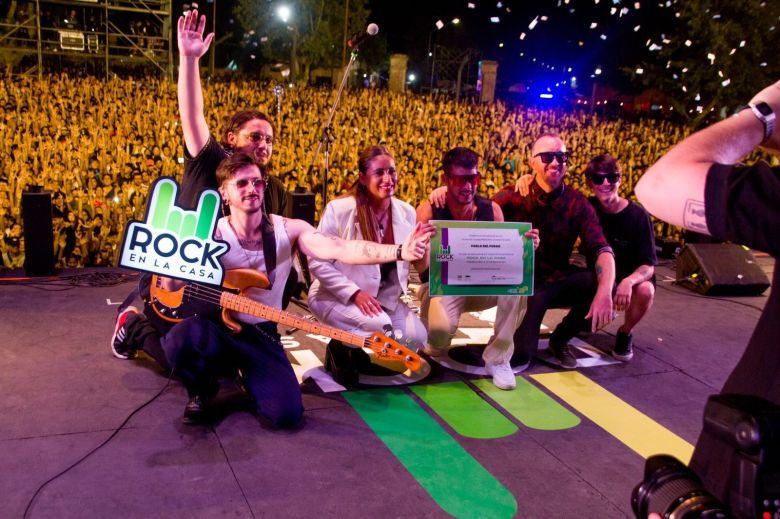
<point x="175" y="242"/>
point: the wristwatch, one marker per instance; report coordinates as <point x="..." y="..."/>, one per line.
<point x="764" y="114"/>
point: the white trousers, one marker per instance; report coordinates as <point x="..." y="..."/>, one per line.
<point x="442" y="313"/>
<point x="406" y="326"/>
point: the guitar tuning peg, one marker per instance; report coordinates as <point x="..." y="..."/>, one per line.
<point x="408" y="358"/>
<point x="399" y="351"/>
<point x="163" y="310"/>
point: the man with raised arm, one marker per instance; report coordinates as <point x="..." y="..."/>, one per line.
<point x="701" y="186"/>
<point x="199" y="349"/>
<point x="249" y="131"/>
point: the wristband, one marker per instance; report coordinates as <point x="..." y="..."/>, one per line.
<point x="398" y="251"/>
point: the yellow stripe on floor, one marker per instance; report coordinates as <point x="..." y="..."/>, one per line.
<point x="635" y="429"/>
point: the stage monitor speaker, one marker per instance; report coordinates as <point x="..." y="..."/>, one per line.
<point x="720" y="269"/>
<point x="38" y="233"/>
<point x="303" y="206"/>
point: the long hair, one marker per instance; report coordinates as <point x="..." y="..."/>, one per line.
<point x="365" y="216"/>
<point x="235" y="122"/>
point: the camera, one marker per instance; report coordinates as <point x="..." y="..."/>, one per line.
<point x="750" y="427"/>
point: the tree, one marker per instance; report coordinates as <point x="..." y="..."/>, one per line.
<point x="714" y="57"/>
<point x="312" y="36"/>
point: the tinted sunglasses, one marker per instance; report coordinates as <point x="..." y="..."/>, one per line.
<point x="547" y="156"/>
<point x="460" y="180"/>
<point x="241" y="183"/>
<point x="598" y="178"/>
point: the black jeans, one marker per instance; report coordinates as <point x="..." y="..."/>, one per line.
<point x="200" y="351"/>
<point x="577" y="290"/>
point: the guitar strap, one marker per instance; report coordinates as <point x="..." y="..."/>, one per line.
<point x="269" y="248"/>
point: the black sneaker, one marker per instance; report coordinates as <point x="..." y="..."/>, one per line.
<point x="623" y="347"/>
<point x="120" y="347"/>
<point x="563" y="353"/>
<point x="196" y="412"/>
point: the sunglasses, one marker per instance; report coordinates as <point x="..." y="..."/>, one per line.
<point x="598" y="178"/>
<point x="460" y="180"/>
<point x="547" y="156"/>
<point x="241" y="183"/>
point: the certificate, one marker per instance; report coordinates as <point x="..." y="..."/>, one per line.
<point x="481" y="258"/>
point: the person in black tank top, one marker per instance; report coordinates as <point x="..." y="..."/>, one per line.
<point x="441" y="314"/>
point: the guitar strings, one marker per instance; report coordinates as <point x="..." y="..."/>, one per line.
<point x="214" y="296"/>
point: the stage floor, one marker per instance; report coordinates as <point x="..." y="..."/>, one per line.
<point x="565" y="444"/>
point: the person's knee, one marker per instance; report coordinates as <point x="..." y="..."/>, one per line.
<point x="644" y="293"/>
<point x="282" y="415"/>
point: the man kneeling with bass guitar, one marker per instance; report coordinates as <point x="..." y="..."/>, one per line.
<point x="199" y="349"/>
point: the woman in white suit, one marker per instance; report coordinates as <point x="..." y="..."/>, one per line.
<point x="363" y="299"/>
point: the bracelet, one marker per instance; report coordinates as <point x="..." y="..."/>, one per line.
<point x="398" y="251"/>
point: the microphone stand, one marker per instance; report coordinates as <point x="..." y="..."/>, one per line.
<point x="327" y="132"/>
<point x="278" y="92"/>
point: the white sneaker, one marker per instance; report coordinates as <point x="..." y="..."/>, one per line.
<point x="503" y="376"/>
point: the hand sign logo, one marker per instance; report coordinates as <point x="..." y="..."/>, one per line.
<point x="175" y="242"/>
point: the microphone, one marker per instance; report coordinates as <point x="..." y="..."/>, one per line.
<point x="358" y="38"/>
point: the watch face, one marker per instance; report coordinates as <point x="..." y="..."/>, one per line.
<point x="764" y="109"/>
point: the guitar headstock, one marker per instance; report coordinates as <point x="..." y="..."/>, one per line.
<point x="386" y="348"/>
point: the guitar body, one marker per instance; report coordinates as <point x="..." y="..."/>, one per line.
<point x="173" y="306"/>
<point x="239" y="280"/>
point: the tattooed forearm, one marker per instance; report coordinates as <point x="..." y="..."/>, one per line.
<point x="694" y="216"/>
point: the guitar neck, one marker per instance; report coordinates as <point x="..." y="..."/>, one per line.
<point x="248" y="306"/>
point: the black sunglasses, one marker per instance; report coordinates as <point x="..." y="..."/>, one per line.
<point x="598" y="178"/>
<point x="547" y="156"/>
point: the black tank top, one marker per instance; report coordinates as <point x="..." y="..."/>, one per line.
<point x="484" y="211"/>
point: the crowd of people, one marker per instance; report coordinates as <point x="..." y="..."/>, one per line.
<point x="98" y="144"/>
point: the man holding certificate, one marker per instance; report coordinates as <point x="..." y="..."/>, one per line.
<point x="562" y="215"/>
<point x="442" y="313"/>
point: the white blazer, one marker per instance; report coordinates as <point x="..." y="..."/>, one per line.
<point x="338" y="281"/>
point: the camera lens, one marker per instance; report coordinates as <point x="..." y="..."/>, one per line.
<point x="674" y="491"/>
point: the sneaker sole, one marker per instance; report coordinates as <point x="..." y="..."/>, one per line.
<point x="117" y="327"/>
<point x="623" y="358"/>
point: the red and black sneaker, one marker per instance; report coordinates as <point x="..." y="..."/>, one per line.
<point x="119" y="344"/>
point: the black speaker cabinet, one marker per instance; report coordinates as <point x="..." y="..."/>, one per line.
<point x="720" y="269"/>
<point x="38" y="234"/>
<point x="303" y="206"/>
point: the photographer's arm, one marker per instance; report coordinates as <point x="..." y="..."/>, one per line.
<point x="673" y="188"/>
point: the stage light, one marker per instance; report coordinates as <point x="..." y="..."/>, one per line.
<point x="283" y="12"/>
<point x="546" y="96"/>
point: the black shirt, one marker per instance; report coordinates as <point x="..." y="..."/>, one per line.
<point x="200" y="174"/>
<point x="743" y="205"/>
<point x="630" y="234"/>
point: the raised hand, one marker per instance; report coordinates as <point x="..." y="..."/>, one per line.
<point x="190" y="34"/>
<point x="416" y="244"/>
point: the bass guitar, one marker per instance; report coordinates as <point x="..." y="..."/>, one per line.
<point x="167" y="304"/>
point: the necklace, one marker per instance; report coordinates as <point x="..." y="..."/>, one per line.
<point x="253" y="262"/>
<point x="380" y="222"/>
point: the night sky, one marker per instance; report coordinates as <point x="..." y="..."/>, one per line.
<point x="566" y="39"/>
